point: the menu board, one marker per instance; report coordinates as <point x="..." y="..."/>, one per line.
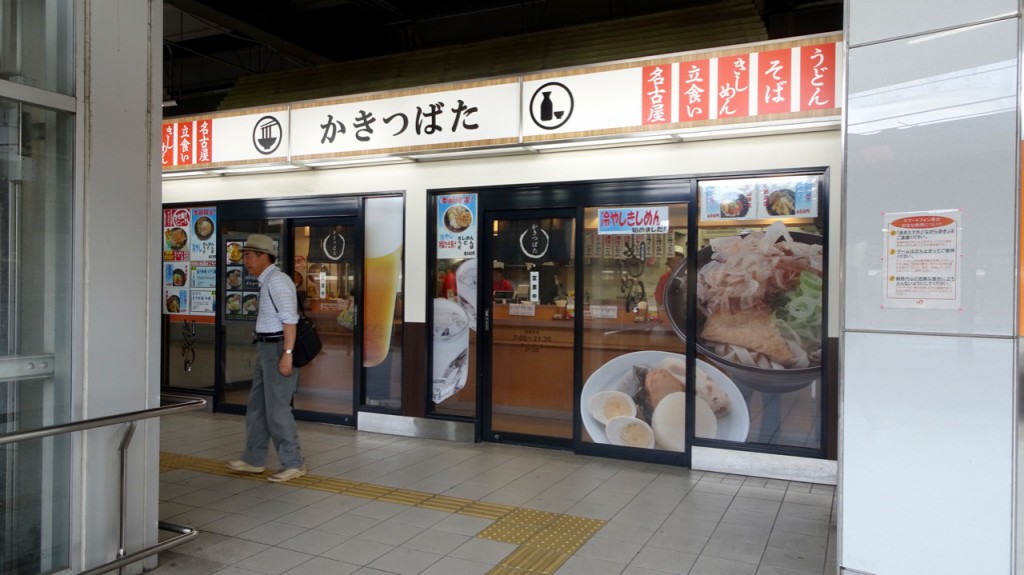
<point x="760" y="198"/>
<point x="242" y="291"/>
<point x="190" y="254"/>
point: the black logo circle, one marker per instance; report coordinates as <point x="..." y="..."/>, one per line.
<point x="267" y="135"/>
<point x="551" y="106"/>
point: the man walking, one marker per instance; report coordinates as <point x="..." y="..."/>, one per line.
<point x="268" y="414"/>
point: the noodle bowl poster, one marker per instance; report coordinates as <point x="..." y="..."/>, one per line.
<point x="456" y="226"/>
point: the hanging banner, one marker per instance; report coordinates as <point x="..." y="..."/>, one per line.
<point x="922" y="259"/>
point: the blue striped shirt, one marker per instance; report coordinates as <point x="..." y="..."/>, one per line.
<point x="275" y="282"/>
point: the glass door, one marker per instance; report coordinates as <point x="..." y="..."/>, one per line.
<point x="321" y="255"/>
<point x="529" y="333"/>
<point x="633" y="401"/>
<point x="326" y="274"/>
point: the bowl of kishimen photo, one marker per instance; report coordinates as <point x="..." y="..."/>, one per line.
<point x="759" y="307"/>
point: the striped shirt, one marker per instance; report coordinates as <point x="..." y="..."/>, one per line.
<point x="274" y="281"/>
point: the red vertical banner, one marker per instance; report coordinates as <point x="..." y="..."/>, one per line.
<point x="167" y="145"/>
<point x="204" y="141"/>
<point x="694" y="90"/>
<point x="657" y="94"/>
<point x="818" y="77"/>
<point x="734" y="86"/>
<point x="186" y="144"/>
<point x="775" y="81"/>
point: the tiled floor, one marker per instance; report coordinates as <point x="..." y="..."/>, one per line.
<point x="379" y="504"/>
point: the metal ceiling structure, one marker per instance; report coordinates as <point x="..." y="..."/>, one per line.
<point x="262" y="49"/>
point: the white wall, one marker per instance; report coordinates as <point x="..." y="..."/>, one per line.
<point x="119" y="254"/>
<point x="687" y="158"/>
<point x="927" y="395"/>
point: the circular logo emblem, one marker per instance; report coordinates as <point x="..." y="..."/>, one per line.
<point x="333" y="246"/>
<point x="534" y="242"/>
<point x="551" y="106"/>
<point x="266" y="135"/>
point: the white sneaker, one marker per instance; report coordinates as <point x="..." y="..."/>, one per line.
<point x="287" y="474"/>
<point x="243" y="467"/>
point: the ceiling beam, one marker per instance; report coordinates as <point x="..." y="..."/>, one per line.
<point x="288" y="50"/>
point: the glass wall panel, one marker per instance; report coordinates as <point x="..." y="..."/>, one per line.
<point x="36" y="292"/>
<point x="37" y="44"/>
<point x="382" y="301"/>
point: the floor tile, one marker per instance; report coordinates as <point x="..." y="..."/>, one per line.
<point x="357" y="551"/>
<point x="577" y="565"/>
<point x="456" y="566"/>
<point x="272" y="533"/>
<point x="390" y="533"/>
<point x="706" y="565"/>
<point x="313" y="541"/>
<point x="433" y="541"/>
<point x="483" y="551"/>
<point x="323" y="566"/>
<point x="274" y="561"/>
<point x="405" y="561"/>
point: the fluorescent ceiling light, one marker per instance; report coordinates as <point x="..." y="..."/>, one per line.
<point x="187" y="174"/>
<point x="476" y="152"/>
<point x="169" y="103"/>
<point x="255" y="169"/>
<point x="352" y="162"/>
<point x="604" y="143"/>
<point x="775" y="129"/>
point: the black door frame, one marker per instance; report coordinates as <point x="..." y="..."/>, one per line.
<point x="485" y="330"/>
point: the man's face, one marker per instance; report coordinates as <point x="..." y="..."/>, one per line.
<point x="255" y="262"/>
<point x="675" y="262"/>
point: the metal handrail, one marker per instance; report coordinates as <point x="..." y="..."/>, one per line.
<point x="186" y="404"/>
<point x="184" y="533"/>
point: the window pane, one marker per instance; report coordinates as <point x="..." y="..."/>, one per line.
<point x="35" y="333"/>
<point x="37" y="44"/>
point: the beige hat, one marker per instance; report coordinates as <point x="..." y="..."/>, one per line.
<point x="260" y="243"/>
<point x="499" y="265"/>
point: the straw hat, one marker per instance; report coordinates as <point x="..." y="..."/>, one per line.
<point x="260" y="243"/>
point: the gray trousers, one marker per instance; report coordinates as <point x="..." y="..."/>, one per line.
<point x="268" y="414"/>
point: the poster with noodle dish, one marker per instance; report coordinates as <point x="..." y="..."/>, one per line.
<point x="456" y="226"/>
<point x="763" y="197"/>
<point x="190" y="254"/>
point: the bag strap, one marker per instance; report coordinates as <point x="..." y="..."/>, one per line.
<point x="270" y="294"/>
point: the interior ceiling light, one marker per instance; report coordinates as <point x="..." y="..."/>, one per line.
<point x="187" y="174"/>
<point x="475" y="152"/>
<point x="603" y="143"/>
<point x="352" y="162"/>
<point x="256" y="169"/>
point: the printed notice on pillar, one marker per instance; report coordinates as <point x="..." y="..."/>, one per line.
<point x="922" y="259"/>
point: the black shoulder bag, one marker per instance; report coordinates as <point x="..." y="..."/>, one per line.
<point x="307" y="340"/>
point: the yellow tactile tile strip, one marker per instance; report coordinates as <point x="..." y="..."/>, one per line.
<point x="545" y="540"/>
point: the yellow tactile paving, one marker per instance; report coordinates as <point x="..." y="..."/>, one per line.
<point x="546" y="540"/>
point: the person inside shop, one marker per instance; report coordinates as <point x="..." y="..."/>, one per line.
<point x="268" y="414"/>
<point x="499" y="282"/>
<point x="672" y="263"/>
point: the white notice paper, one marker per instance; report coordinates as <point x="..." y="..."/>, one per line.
<point x="922" y="259"/>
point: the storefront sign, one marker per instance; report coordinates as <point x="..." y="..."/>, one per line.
<point x="639" y="220"/>
<point x="761" y="84"/>
<point x="456" y="226"/>
<point x="241" y="139"/>
<point x="922" y="259"/>
<point x="483" y="115"/>
<point x="768" y="82"/>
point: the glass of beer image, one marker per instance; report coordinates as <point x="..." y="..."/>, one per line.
<point x="451" y="349"/>
<point x="383" y="263"/>
<point x="465" y="278"/>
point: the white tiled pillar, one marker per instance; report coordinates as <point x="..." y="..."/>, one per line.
<point x="927" y="419"/>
